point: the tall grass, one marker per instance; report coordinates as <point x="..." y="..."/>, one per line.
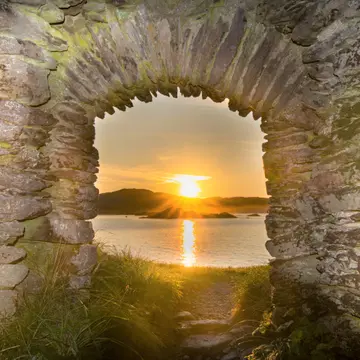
<point x="253" y="292"/>
<point x="129" y="316"/>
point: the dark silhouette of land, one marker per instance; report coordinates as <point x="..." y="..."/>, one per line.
<point x="146" y="202"/>
<point x="179" y="213"/>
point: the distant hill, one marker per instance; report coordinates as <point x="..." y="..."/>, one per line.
<point x="179" y="213"/>
<point x="143" y="202"/>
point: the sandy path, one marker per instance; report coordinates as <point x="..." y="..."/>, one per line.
<point x="213" y="302"/>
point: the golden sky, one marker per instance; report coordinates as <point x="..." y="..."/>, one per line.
<point x="149" y="144"/>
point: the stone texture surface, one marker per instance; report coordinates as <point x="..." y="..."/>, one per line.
<point x="203" y="326"/>
<point x="72" y="231"/>
<point x="11" y="254"/>
<point x="10" y="232"/>
<point x="85" y="260"/>
<point x="15" y="113"/>
<point x="51" y="13"/>
<point x="22" y="207"/>
<point x="206" y="343"/>
<point x="293" y="63"/>
<point x="32" y="89"/>
<point x="12" y="275"/>
<point x="28" y="49"/>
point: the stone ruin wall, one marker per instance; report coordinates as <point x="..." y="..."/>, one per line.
<point x="293" y="64"/>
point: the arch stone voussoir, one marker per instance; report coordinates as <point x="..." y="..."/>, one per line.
<point x="294" y="64"/>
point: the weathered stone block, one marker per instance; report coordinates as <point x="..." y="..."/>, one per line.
<point x="29" y="2"/>
<point x="10" y="232"/>
<point x="75" y="175"/>
<point x="70" y="159"/>
<point x="67" y="190"/>
<point x="72" y="231"/>
<point x="83" y="211"/>
<point x="8" y="300"/>
<point x="34" y="136"/>
<point x="64" y="4"/>
<point x="85" y="260"/>
<point x="31" y="158"/>
<point x="11" y="254"/>
<point x="51" y="13"/>
<point x="67" y="139"/>
<point x="344" y="299"/>
<point x="229" y="47"/>
<point x="12" y="275"/>
<point x="287" y="250"/>
<point x="297" y="272"/>
<point x="340" y="202"/>
<point x="22" y="181"/>
<point x="73" y="10"/>
<point x="71" y="113"/>
<point x="22" y="81"/>
<point x="23" y="207"/>
<point x="18" y="114"/>
<point x="25" y="27"/>
<point x="13" y="46"/>
<point x="94" y="6"/>
<point x="9" y="132"/>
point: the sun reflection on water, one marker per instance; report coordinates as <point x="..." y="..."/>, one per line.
<point x="189" y="249"/>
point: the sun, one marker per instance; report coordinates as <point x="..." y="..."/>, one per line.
<point x="189" y="188"/>
<point x="188" y="184"/>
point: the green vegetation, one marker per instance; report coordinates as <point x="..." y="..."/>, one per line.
<point x="303" y="339"/>
<point x="253" y="291"/>
<point x="130" y="315"/>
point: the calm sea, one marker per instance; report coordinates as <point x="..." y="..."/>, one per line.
<point x="201" y="242"/>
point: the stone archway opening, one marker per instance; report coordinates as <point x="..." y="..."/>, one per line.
<point x="140" y="153"/>
<point x="65" y="62"/>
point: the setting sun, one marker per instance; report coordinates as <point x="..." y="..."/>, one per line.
<point x="188" y="184"/>
<point x="189" y="188"/>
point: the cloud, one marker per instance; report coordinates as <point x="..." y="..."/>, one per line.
<point x="179" y="178"/>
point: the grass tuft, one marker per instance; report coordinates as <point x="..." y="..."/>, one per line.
<point x="253" y="292"/>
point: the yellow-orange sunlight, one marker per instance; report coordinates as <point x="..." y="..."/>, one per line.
<point x="189" y="189"/>
<point x="188" y="256"/>
<point x="188" y="184"/>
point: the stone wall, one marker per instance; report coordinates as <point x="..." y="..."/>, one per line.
<point x="294" y="64"/>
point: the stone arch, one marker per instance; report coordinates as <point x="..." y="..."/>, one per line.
<point x="294" y="64"/>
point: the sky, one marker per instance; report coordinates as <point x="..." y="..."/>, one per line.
<point x="150" y="143"/>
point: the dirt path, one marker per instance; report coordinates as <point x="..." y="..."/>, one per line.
<point x="214" y="302"/>
<point x="206" y="331"/>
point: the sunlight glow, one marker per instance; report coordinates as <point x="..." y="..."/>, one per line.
<point x="189" y="189"/>
<point x="189" y="251"/>
<point x="188" y="184"/>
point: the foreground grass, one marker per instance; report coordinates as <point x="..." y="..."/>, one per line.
<point x="130" y="315"/>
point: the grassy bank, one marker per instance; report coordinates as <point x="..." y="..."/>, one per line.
<point x="130" y="315"/>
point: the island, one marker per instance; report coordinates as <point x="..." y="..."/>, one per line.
<point x="253" y="215"/>
<point x="178" y="213"/>
<point x="142" y="202"/>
